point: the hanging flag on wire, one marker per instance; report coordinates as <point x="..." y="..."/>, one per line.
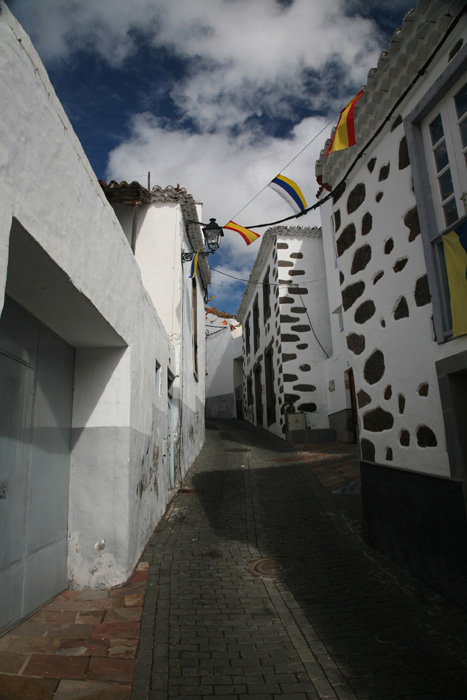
<point x="344" y="135"/>
<point x="194" y="265"/>
<point x="247" y="235"/>
<point x="290" y="191"/>
<point x="224" y="323"/>
<point x="455" y="253"/>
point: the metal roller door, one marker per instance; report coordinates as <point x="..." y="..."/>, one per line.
<point x="36" y="390"/>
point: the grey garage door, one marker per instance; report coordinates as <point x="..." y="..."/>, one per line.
<point x="36" y="390"/>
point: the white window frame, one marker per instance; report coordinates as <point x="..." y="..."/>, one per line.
<point x="428" y="205"/>
<point x="456" y="158"/>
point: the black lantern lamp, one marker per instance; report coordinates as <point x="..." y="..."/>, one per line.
<point x="212" y="235"/>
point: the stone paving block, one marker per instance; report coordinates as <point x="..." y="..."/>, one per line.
<point x="93" y="647"/>
<point x="125" y="648"/>
<point x="116" y="630"/>
<point x="90" y="595"/>
<point x="57" y="616"/>
<point x="104" y="669"/>
<point x="19" y="688"/>
<point x="30" y="628"/>
<point x="91" y="690"/>
<point x="345" y="693"/>
<point x="68" y="631"/>
<point x="80" y="605"/>
<point x="10" y="662"/>
<point x="130" y="614"/>
<point x="140" y="690"/>
<point x="51" y="666"/>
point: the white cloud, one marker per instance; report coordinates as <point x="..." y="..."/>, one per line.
<point x="226" y="174"/>
<point x="244" y="57"/>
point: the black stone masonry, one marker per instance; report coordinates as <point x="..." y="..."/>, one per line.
<point x="261" y="587"/>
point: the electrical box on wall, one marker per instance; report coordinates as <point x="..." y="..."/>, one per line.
<point x="296" y="421"/>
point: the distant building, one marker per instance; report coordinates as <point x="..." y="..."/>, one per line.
<point x="224" y="366"/>
<point x="394" y="195"/>
<point x="102" y="371"/>
<point x="287" y="338"/>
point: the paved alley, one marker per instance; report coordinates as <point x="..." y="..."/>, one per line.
<point x="260" y="586"/>
<point x="256" y="585"/>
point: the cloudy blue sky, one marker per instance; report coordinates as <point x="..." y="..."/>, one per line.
<point x="218" y="96"/>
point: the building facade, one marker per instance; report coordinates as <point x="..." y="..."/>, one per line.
<point x="159" y="224"/>
<point x="91" y="414"/>
<point x="394" y="196"/>
<point x="224" y="366"/>
<point x="286" y="334"/>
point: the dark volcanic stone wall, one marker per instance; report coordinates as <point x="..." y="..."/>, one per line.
<point x="387" y="311"/>
<point x="303" y="309"/>
<point x="298" y="310"/>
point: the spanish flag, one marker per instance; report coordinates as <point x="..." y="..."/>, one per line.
<point x="455" y="253"/>
<point x="194" y="265"/>
<point x="290" y="191"/>
<point x="247" y="235"/>
<point x="344" y="135"/>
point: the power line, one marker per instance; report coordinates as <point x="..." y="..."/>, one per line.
<point x="265" y="284"/>
<point x="378" y="131"/>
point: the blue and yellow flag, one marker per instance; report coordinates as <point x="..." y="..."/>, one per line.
<point x="290" y="191"/>
<point x="455" y="253"/>
<point x="194" y="265"/>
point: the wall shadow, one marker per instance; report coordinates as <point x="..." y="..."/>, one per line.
<point x="375" y="630"/>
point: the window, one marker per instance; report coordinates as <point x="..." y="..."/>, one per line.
<point x="266" y="296"/>
<point x="249" y="390"/>
<point x="258" y="396"/>
<point x="437" y="140"/>
<point x="247" y="336"/>
<point x="194" y="326"/>
<point x="158" y="379"/>
<point x="445" y="135"/>
<point x="269" y="377"/>
<point x="256" y="324"/>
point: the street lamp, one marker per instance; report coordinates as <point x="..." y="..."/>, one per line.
<point x="212" y="234"/>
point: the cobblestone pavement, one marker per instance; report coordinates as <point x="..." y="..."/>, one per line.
<point x="260" y="586"/>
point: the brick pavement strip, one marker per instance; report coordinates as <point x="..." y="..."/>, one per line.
<point x="346" y="625"/>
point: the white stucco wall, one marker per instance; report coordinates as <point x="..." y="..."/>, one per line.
<point x="408" y="343"/>
<point x="158" y="256"/>
<point x="118" y="484"/>
<point x="339" y="362"/>
<point x="222" y="346"/>
<point x="161" y="236"/>
<point x="306" y="340"/>
<point x="192" y="386"/>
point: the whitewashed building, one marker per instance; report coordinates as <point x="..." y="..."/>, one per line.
<point x="159" y="225"/>
<point x="393" y="196"/>
<point x="224" y="366"/>
<point x="287" y="335"/>
<point x="90" y="371"/>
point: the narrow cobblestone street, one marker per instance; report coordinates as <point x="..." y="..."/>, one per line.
<point x="257" y="584"/>
<point x="261" y="586"/>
